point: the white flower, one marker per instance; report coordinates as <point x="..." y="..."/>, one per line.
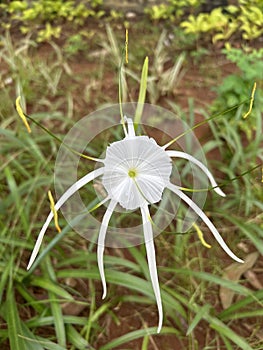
<point x="135" y="172"/>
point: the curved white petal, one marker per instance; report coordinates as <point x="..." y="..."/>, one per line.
<point x="101" y="240"/>
<point x="150" y="250"/>
<point x="74" y="188"/>
<point x="192" y="159"/>
<point x="202" y="215"/>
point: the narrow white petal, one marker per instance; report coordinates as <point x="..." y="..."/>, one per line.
<point x="150" y="250"/>
<point x="101" y="241"/>
<point x="202" y="215"/>
<point x="131" y="131"/>
<point x="192" y="159"/>
<point x="74" y="188"/>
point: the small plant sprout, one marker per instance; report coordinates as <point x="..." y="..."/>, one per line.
<point x="135" y="172"/>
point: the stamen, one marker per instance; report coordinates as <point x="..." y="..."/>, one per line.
<point x="53" y="209"/>
<point x="120" y="86"/>
<point x="140" y="191"/>
<point x="251" y="101"/>
<point x="21" y="113"/>
<point x="126" y="46"/>
<point x="201" y="236"/>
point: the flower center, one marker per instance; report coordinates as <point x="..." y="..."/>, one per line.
<point x="136" y="171"/>
<point x="132" y="173"/>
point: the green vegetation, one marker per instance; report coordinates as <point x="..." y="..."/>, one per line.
<point x="173" y="10"/>
<point x="35" y="15"/>
<point x="57" y="304"/>
<point x="222" y="23"/>
<point x="244" y="18"/>
<point x="235" y="87"/>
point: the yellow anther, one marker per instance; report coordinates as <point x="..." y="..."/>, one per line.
<point x="200" y="236"/>
<point x="21" y="113"/>
<point x="53" y="209"/>
<point x="126" y="46"/>
<point x="262" y="174"/>
<point x="251" y="101"/>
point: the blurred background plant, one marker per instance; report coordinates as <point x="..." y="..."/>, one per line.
<point x="235" y="87"/>
<point x="209" y="302"/>
<point x="45" y="17"/>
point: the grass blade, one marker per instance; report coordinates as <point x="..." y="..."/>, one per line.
<point x="56" y="309"/>
<point x="142" y="93"/>
<point x="13" y="322"/>
<point x="135" y="335"/>
<point x="198" y="317"/>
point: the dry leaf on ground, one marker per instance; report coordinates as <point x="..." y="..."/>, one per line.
<point x="233" y="273"/>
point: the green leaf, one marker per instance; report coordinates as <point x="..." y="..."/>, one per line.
<point x="213" y="279"/>
<point x="50" y="286"/>
<point x="228" y="313"/>
<point x="214" y="322"/>
<point x="56" y="308"/>
<point x="48" y="345"/>
<point x="198" y="317"/>
<point x="135" y="335"/>
<point x="224" y="330"/>
<point x="31" y="342"/>
<point x="13" y="322"/>
<point x="142" y="94"/>
<point x="76" y="339"/>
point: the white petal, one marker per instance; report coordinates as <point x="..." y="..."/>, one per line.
<point x="74" y="188"/>
<point x="202" y="215"/>
<point x="131" y="131"/>
<point x="150" y="250"/>
<point x="101" y="241"/>
<point x="200" y="165"/>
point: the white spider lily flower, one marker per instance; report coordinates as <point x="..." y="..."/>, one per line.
<point x="135" y="172"/>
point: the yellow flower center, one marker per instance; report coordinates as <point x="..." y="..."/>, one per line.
<point x="132" y="173"/>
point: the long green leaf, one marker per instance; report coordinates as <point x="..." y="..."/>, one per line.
<point x="234" y="308"/>
<point x="135" y="335"/>
<point x="126" y="280"/>
<point x="31" y="342"/>
<point x="16" y="197"/>
<point x="48" y="345"/>
<point x="56" y="308"/>
<point x="142" y="93"/>
<point x="224" y="330"/>
<point x="13" y="322"/>
<point x="50" y="286"/>
<point x="213" y="279"/>
<point x="76" y="339"/>
<point x="198" y="317"/>
<point x="49" y="320"/>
